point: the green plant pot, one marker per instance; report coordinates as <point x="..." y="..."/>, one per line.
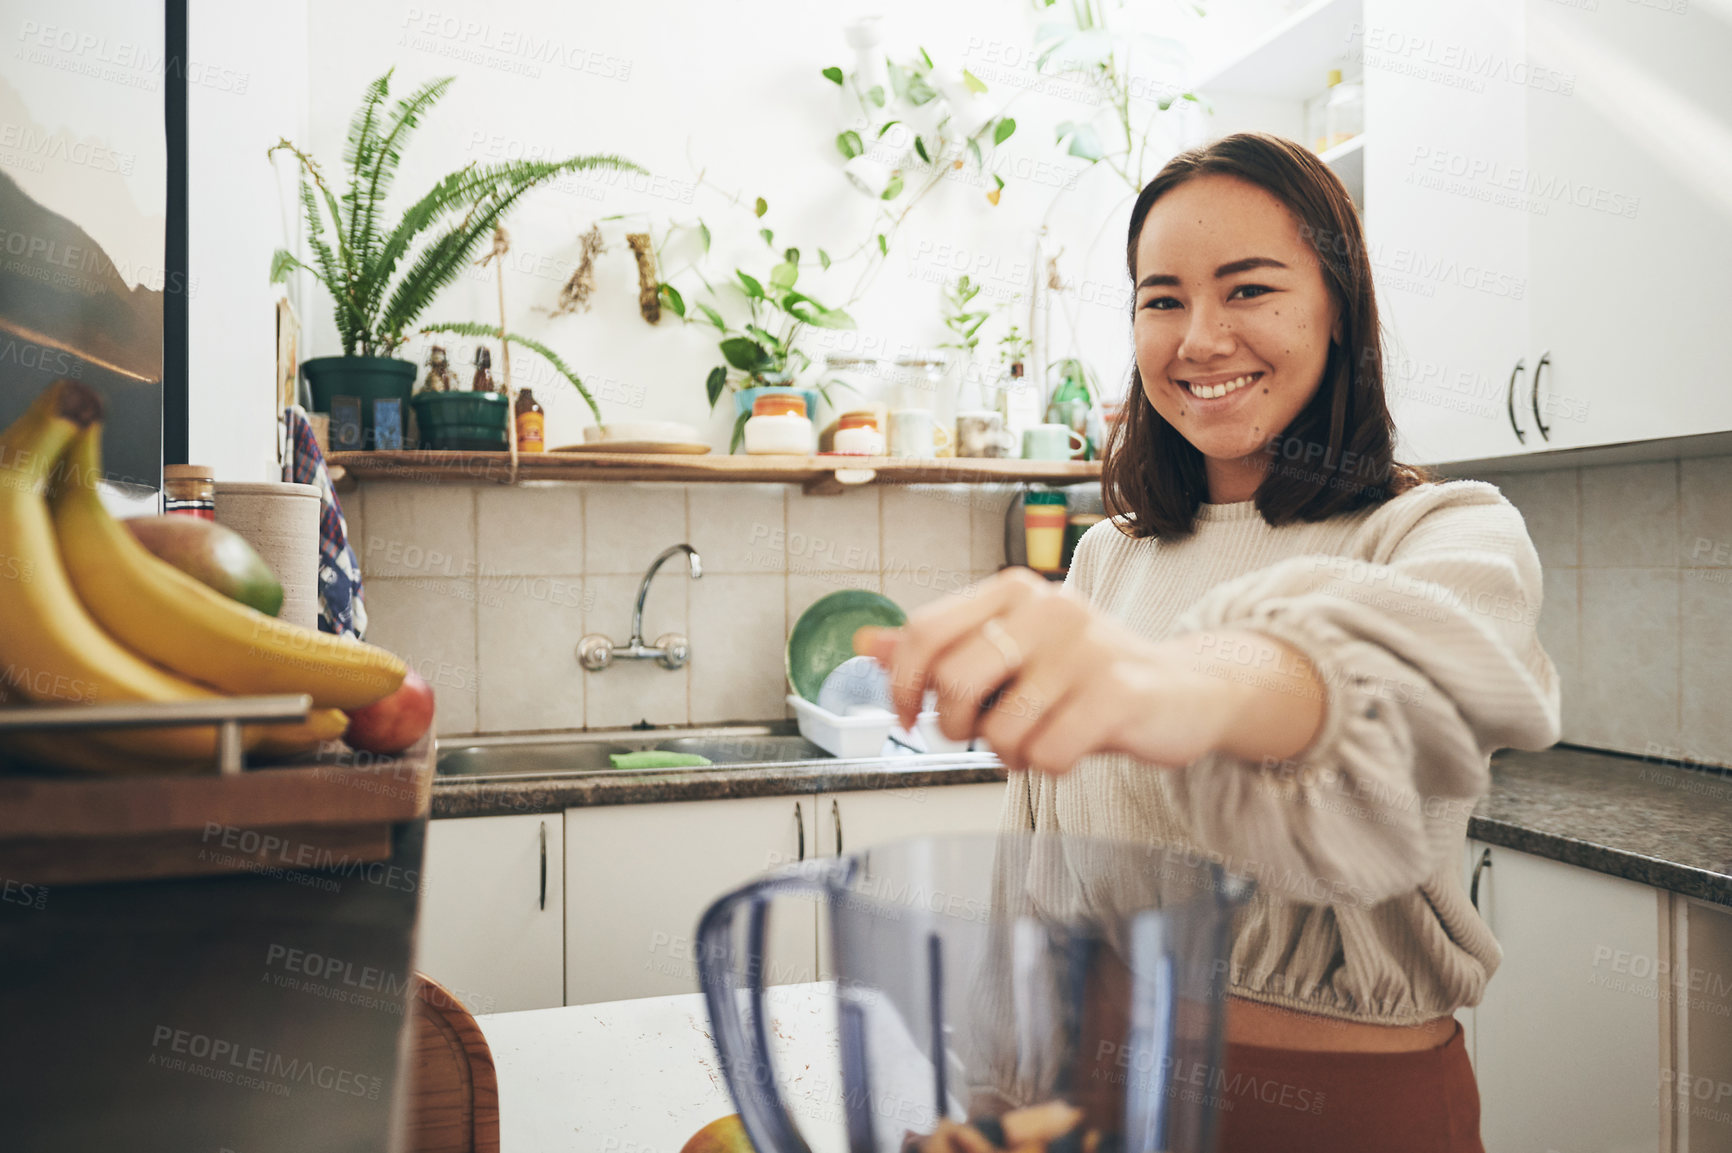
<point x="469" y="421"/>
<point x="367" y="378"/>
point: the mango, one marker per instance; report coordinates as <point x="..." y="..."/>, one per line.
<point x="211" y="554"/>
<point x="723" y="1135"/>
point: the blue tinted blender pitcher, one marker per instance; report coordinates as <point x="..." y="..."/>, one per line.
<point x="977" y="977"/>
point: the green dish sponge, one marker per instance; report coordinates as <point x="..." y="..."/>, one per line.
<point x="656" y="759"/>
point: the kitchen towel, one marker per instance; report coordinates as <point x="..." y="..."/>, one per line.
<point x="341" y="610"/>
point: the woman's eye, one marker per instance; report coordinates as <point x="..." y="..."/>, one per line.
<point x="1250" y="291"/>
<point x="1161" y="303"/>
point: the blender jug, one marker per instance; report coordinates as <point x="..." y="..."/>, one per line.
<point x="1056" y="991"/>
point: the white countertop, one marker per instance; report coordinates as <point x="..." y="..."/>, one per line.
<point x="643" y="1076"/>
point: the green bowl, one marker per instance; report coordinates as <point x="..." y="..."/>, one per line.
<point x="823" y="637"/>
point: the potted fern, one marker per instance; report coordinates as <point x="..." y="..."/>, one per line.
<point x="357" y="257"/>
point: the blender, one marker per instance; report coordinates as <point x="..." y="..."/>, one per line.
<point x="1011" y="984"/>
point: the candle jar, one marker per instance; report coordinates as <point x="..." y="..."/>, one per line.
<point x="779" y="425"/>
<point x="858" y="434"/>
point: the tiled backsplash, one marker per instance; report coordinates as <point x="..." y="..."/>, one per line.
<point x="487" y="590"/>
<point x="1638" y="601"/>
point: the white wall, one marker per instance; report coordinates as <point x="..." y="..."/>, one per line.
<point x="733" y="91"/>
<point x="246" y="87"/>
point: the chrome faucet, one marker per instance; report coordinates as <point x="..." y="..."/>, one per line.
<point x="671" y="650"/>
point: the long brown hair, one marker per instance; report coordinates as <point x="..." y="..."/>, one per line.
<point x="1338" y="453"/>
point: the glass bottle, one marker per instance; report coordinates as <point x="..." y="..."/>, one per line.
<point x="483" y="381"/>
<point x="531" y="423"/>
<point x="439" y="376"/>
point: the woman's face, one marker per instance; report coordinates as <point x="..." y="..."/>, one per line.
<point x="1233" y="322"/>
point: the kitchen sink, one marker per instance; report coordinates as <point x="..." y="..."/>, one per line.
<point x="727" y="746"/>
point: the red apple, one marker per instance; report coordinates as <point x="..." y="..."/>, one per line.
<point x="395" y="723"/>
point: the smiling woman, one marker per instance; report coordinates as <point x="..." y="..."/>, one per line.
<point x="1257" y="345"/>
<point x="1284" y="651"/>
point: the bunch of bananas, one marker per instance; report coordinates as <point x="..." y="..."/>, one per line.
<point x="89" y="614"/>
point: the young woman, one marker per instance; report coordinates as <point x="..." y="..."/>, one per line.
<point x="1284" y="649"/>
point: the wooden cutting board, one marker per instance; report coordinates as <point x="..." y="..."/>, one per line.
<point x="333" y="813"/>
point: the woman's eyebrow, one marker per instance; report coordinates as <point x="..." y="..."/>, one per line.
<point x="1166" y="280"/>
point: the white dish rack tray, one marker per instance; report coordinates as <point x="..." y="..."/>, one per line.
<point x="862" y="735"/>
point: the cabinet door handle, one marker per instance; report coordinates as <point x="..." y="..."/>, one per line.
<point x="1539" y="370"/>
<point x="1509" y="400"/>
<point x="800" y="828"/>
<point x="544" y="865"/>
<point x="836" y="815"/>
<point x="1479" y="866"/>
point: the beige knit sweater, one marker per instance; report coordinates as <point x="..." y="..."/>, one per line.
<point x="1419" y="617"/>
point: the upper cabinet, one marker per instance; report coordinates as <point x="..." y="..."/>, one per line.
<point x="1547" y="197"/>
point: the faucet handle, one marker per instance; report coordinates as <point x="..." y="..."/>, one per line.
<point x="595" y="652"/>
<point x="676" y="650"/>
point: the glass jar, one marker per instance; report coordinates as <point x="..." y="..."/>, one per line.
<point x="779" y="425"/>
<point x="858" y="434"/>
<point x="189" y="490"/>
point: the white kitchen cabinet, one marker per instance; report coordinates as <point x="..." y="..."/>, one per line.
<point x="849" y="822"/>
<point x="492" y="924"/>
<point x="1448" y="255"/>
<point x="1634" y="170"/>
<point x="639" y="876"/>
<point x="1568" y="1054"/>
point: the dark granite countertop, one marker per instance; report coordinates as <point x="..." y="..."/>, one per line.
<point x="1658" y="824"/>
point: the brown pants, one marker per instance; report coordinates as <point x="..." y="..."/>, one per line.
<point x="1294" y="1101"/>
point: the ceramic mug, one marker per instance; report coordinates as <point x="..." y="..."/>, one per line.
<point x="916" y="433"/>
<point x="1051" y="442"/>
<point x="981" y="433"/>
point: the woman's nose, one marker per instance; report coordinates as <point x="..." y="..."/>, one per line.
<point x="1208" y="336"/>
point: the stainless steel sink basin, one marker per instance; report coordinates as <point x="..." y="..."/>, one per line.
<point x="566" y="754"/>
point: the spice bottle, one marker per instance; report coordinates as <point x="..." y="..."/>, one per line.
<point x="439" y="375"/>
<point x="483" y="381"/>
<point x="531" y="423"/>
<point x="189" y="490"/>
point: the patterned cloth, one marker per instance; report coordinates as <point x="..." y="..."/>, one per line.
<point x="341" y="610"/>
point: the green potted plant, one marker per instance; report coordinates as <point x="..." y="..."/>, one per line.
<point x="356" y="257"/>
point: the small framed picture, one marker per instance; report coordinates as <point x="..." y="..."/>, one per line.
<point x="346" y="424"/>
<point x="388" y="424"/>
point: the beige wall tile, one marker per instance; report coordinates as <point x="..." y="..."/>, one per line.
<point x="419" y="530"/>
<point x="430" y="622"/>
<point x="986" y="527"/>
<point x="1548" y="503"/>
<point x="1706" y="608"/>
<point x="1559" y="630"/>
<point x="927" y="536"/>
<point x="626" y="525"/>
<point x="1629" y="658"/>
<point x="1705" y="512"/>
<point x="527" y="629"/>
<point x="530" y="529"/>
<point x="739" y="636"/>
<point x="739" y="528"/>
<point x="354" y="506"/>
<point x="834" y="533"/>
<point x="1630" y="515"/>
<point x="627" y="692"/>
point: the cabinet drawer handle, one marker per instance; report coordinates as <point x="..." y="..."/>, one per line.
<point x="800" y="828"/>
<point x="1479" y="866"/>
<point x="544" y="865"/>
<point x="1539" y="370"/>
<point x="836" y="815"/>
<point x="1509" y="400"/>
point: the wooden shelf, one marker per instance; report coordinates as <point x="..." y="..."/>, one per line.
<point x="815" y="474"/>
<point x="1291" y="60"/>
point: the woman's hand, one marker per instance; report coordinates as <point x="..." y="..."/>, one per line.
<point x="1046" y="679"/>
<point x="1059" y="680"/>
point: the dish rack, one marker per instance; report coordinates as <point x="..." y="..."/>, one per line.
<point x="861" y="736"/>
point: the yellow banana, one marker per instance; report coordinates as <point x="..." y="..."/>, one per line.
<point x="295" y="740"/>
<point x="50" y="648"/>
<point x="170" y="618"/>
<point x="78" y="752"/>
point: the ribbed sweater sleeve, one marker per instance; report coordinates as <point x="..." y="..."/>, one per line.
<point x="1424" y="640"/>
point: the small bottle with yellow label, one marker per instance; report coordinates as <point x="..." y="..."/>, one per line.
<point x="531" y="423"/>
